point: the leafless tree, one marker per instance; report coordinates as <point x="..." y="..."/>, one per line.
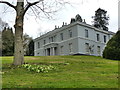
<point x="38" y="8"/>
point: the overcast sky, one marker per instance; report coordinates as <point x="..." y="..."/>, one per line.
<point x="85" y="8"/>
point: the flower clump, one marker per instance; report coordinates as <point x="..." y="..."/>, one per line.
<point x="38" y="68"/>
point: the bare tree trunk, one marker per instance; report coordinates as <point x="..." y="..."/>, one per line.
<point x="18" y="51"/>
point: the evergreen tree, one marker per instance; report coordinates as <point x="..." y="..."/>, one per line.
<point x="0" y="43"/>
<point x="31" y="48"/>
<point x="7" y="42"/>
<point x="101" y="19"/>
<point x="78" y="18"/>
<point x="112" y="50"/>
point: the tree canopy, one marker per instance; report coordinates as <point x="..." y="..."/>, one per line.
<point x="7" y="42"/>
<point x="112" y="50"/>
<point x="101" y="19"/>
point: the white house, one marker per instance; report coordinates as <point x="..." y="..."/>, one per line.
<point x="75" y="38"/>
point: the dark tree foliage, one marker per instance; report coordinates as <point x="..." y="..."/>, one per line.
<point x="78" y="18"/>
<point x="112" y="50"/>
<point x="7" y="42"/>
<point x="0" y="43"/>
<point x="31" y="48"/>
<point x="101" y="19"/>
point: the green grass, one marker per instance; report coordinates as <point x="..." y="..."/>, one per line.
<point x="71" y="72"/>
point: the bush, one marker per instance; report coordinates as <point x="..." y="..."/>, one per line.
<point x="112" y="50"/>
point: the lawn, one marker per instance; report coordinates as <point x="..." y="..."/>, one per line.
<point x="70" y="72"/>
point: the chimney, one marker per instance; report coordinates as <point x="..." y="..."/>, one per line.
<point x="55" y="27"/>
<point x="63" y="24"/>
<point x="84" y="21"/>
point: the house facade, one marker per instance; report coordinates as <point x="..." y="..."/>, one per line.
<point x="74" y="38"/>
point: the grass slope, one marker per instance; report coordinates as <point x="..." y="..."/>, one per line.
<point x="72" y="72"/>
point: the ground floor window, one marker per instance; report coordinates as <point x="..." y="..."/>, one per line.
<point x="98" y="50"/>
<point x="61" y="50"/>
<point x="87" y="47"/>
<point x="70" y="47"/>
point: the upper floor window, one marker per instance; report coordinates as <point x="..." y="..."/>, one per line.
<point x="49" y="40"/>
<point x="61" y="36"/>
<point x="86" y="33"/>
<point x="44" y="42"/>
<point x="38" y="44"/>
<point x="104" y="39"/>
<point x="70" y="33"/>
<point x="52" y="39"/>
<point x="98" y="37"/>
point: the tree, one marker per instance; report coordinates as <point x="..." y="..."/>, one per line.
<point x="101" y="19"/>
<point x="0" y="43"/>
<point x="78" y="18"/>
<point x="112" y="50"/>
<point x="39" y="7"/>
<point x="26" y="41"/>
<point x="3" y="24"/>
<point x="31" y="48"/>
<point x="7" y="42"/>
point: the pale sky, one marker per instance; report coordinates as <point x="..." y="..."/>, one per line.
<point x="85" y="8"/>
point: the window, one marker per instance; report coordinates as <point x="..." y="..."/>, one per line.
<point x="38" y="44"/>
<point x="61" y="35"/>
<point x="38" y="53"/>
<point x="87" y="47"/>
<point x="86" y="33"/>
<point x="70" y="47"/>
<point x="54" y="38"/>
<point x="98" y="37"/>
<point x="98" y="49"/>
<point x="44" y="42"/>
<point x="51" y="39"/>
<point x="104" y="39"/>
<point x="70" y="33"/>
<point x="61" y="50"/>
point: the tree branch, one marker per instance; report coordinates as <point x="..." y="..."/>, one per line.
<point x="29" y="5"/>
<point x="8" y="4"/>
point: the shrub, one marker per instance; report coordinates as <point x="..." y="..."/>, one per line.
<point x="112" y="50"/>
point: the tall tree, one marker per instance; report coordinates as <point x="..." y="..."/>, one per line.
<point x="38" y="7"/>
<point x="30" y="51"/>
<point x="7" y="42"/>
<point x="3" y="24"/>
<point x="101" y="19"/>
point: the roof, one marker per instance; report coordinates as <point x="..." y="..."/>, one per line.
<point x="70" y="25"/>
